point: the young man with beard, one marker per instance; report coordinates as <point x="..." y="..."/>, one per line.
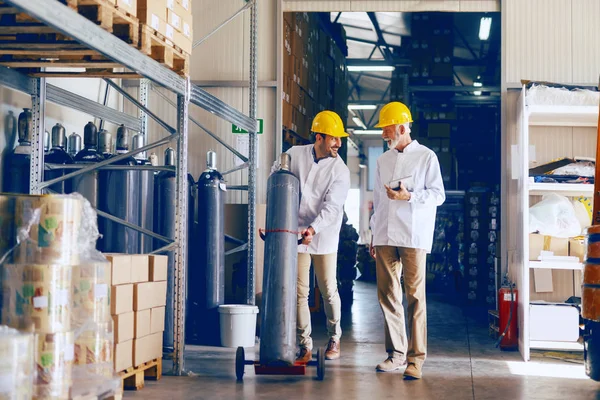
<point x="408" y="189"/>
<point x="324" y="184"/>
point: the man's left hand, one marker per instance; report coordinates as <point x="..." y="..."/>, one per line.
<point x="401" y="194"/>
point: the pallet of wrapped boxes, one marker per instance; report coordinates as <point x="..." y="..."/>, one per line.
<point x="166" y="32"/>
<point x="138" y="299"/>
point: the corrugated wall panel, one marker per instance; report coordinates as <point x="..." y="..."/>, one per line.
<point x="479" y="5"/>
<point x="550" y="143"/>
<point x="316" y="6"/>
<point x="584" y="142"/>
<point x="405" y="5"/>
<point x="538" y="40"/>
<point x="586" y="41"/>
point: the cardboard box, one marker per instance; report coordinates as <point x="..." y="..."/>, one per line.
<point x="157" y="319"/>
<point x="158" y="267"/>
<point x="287" y="115"/>
<point x="152" y="12"/>
<point x="186" y="4"/>
<point x="149" y="295"/>
<point x="129" y="6"/>
<point x="121" y="299"/>
<point x="287" y="89"/>
<point x="142" y="323"/>
<point x="438" y="130"/>
<point x="123" y="355"/>
<point x="147" y="348"/>
<point x="123" y="327"/>
<point x="184" y="43"/>
<point x="139" y="268"/>
<point x="120" y="268"/>
<point x="577" y="248"/>
<point x="553" y="322"/>
<point x="539" y="243"/>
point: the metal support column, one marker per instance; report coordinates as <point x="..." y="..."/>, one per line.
<point x="250" y="290"/>
<point x="38" y="112"/>
<point x="144" y="88"/>
<point x="181" y="233"/>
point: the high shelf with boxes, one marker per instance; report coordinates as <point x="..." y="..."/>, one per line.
<point x="314" y="73"/>
<point x="88" y="31"/>
<point x="548" y="281"/>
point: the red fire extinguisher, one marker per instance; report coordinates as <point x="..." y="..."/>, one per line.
<point x="508" y="324"/>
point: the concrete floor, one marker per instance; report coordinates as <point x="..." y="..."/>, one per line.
<point x="462" y="363"/>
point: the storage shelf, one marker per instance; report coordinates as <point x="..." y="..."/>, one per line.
<point x="543" y="115"/>
<point x="556" y="265"/>
<point x="551" y="345"/>
<point x="566" y="189"/>
<point x="76" y="26"/>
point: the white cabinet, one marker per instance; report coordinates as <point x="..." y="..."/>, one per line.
<point x="533" y="121"/>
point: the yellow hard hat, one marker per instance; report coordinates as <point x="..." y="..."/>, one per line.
<point x="328" y="123"/>
<point x="394" y="113"/>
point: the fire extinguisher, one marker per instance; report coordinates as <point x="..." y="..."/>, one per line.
<point x="508" y="324"/>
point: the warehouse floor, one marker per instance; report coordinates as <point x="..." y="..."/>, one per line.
<point x="462" y="364"/>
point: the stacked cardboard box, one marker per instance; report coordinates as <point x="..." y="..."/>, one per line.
<point x="432" y="49"/>
<point x="138" y="298"/>
<point x="171" y="18"/>
<point x="314" y="72"/>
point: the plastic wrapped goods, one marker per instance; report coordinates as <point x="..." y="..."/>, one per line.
<point x="17" y="366"/>
<point x="54" y="364"/>
<point x="38" y="295"/>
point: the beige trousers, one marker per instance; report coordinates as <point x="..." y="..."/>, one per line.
<point x="390" y="262"/>
<point x="326" y="272"/>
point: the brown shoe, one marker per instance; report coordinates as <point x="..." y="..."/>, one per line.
<point x="391" y="364"/>
<point x="333" y="350"/>
<point x="304" y="356"/>
<point x="413" y="371"/>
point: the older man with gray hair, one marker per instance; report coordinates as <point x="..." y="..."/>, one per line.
<point x="408" y="189"/>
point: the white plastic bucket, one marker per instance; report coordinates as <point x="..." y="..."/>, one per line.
<point x="238" y="325"/>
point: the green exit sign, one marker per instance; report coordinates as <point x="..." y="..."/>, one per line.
<point x="236" y="129"/>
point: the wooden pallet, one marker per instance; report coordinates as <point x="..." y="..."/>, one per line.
<point x="133" y="378"/>
<point x="28" y="45"/>
<point x="158" y="47"/>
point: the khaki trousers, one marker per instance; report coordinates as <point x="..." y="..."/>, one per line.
<point x="326" y="272"/>
<point x="390" y="262"/>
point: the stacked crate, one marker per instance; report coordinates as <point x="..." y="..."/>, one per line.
<point x="138" y="299"/>
<point x="314" y="74"/>
<point x="432" y="47"/>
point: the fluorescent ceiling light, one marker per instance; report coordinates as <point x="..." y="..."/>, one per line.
<point x="370" y="68"/>
<point x="477" y="82"/>
<point x="369" y="132"/>
<point x="362" y="106"/>
<point x="484" y="28"/>
<point x="477" y="93"/>
<point x="358" y="122"/>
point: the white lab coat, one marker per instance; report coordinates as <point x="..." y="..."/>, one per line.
<point x="411" y="223"/>
<point x="323" y="190"/>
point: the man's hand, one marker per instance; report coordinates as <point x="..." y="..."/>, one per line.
<point x="307" y="235"/>
<point x="372" y="251"/>
<point x="401" y="194"/>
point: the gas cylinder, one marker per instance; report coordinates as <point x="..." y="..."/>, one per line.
<point x="87" y="184"/>
<point x="165" y="202"/>
<point x="120" y="196"/>
<point x="74" y="144"/>
<point x="508" y="319"/>
<point x="105" y="144"/>
<point x="17" y="163"/>
<point x="278" y="318"/>
<point x="146" y="190"/>
<point x="207" y="271"/>
<point x="58" y="155"/>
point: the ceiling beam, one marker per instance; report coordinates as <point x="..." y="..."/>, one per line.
<point x="434" y="88"/>
<point x="397" y="62"/>
<point x="380" y="39"/>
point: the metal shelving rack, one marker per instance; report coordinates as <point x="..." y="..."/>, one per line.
<point x="72" y="24"/>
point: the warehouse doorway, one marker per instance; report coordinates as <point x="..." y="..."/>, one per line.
<point x="446" y="68"/>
